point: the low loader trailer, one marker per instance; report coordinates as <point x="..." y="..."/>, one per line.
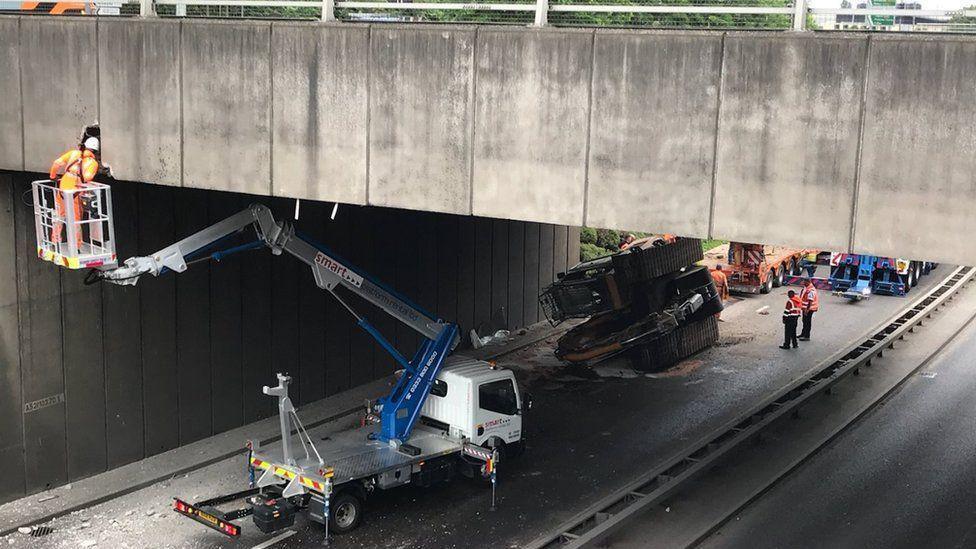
<point x="445" y="415"/>
<point x="758" y="268"/>
<point x="856" y="277"/>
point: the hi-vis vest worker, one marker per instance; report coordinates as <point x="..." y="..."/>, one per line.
<point x="72" y="170"/>
<point x="810" y="298"/>
<point x="792" y="308"/>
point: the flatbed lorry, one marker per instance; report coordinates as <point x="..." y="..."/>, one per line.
<point x="758" y="268"/>
<point x="444" y="415"/>
<point x="857" y="277"/>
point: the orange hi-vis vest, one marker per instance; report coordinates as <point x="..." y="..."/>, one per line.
<point x="792" y="308"/>
<point x="810" y="298"/>
<point x="77" y="168"/>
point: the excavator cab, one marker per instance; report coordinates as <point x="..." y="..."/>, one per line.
<point x="74" y="226"/>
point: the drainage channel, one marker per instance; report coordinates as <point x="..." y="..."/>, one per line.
<point x="601" y="519"/>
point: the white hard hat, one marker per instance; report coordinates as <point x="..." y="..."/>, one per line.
<point x="91" y="144"/>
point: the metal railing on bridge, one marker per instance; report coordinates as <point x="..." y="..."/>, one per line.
<point x="879" y="16"/>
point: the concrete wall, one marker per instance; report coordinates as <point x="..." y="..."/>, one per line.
<point x="112" y="374"/>
<point x="706" y="134"/>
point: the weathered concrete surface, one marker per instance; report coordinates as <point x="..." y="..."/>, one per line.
<point x="599" y="127"/>
<point x="531" y="111"/>
<point x="788" y="137"/>
<point x="320" y="100"/>
<point x="60" y="84"/>
<point x="420" y="109"/>
<point x="917" y="183"/>
<point x="11" y="124"/>
<point x="227" y="106"/>
<point x="652" y="134"/>
<point x="139" y="84"/>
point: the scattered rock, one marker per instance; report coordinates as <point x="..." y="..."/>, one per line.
<point x="24" y="529"/>
<point x="85" y="524"/>
<point x="150" y="513"/>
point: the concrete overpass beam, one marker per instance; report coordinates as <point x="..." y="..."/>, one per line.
<point x="320" y="100"/>
<point x="139" y="88"/>
<point x="59" y="82"/>
<point x="420" y="90"/>
<point x="226" y="77"/>
<point x="920" y="106"/>
<point x="788" y="138"/>
<point x="653" y="148"/>
<point x="531" y="121"/>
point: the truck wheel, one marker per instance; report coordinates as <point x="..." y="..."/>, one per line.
<point x="795" y="268"/>
<point x="906" y="280"/>
<point x="346" y="513"/>
<point x="767" y="286"/>
<point x="780" y="275"/>
<point x="918" y="273"/>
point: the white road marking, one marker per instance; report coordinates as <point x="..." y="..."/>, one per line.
<point x="275" y="539"/>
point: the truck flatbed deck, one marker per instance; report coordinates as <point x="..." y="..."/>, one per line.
<point x="352" y="455"/>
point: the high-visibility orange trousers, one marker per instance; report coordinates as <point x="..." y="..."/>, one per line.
<point x="58" y="225"/>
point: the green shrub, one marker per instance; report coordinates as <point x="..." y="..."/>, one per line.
<point x="588" y="235"/>
<point x="592" y="251"/>
<point x="608" y="238"/>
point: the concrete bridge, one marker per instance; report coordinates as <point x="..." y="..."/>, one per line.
<point x="840" y="141"/>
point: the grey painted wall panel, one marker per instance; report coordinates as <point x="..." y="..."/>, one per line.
<point x="788" y="135"/>
<point x="420" y="108"/>
<point x="320" y="94"/>
<point x="531" y="103"/>
<point x="11" y="121"/>
<point x="917" y="187"/>
<point x="139" y="86"/>
<point x="11" y="405"/>
<point x="652" y="137"/>
<point x="227" y="106"/>
<point x="59" y="82"/>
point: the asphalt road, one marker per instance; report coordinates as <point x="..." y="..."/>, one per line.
<point x="903" y="476"/>
<point x="587" y="436"/>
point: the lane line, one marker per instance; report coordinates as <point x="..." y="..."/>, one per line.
<point x="275" y="539"/>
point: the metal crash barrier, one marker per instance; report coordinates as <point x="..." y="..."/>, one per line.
<point x="74" y="227"/>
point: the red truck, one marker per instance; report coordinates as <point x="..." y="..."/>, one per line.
<point x="758" y="268"/>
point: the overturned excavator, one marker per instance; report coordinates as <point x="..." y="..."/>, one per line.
<point x="650" y="303"/>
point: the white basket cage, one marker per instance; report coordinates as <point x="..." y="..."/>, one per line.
<point x="74" y="227"/>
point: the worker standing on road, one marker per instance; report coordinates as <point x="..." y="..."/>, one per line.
<point x="811" y="303"/>
<point x="791" y="314"/>
<point x="721" y="286"/>
<point x="71" y="171"/>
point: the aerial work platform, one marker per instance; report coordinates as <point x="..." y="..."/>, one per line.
<point x="74" y="226"/>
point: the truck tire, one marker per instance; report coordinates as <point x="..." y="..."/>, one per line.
<point x="638" y="265"/>
<point x="780" y="275"/>
<point x="346" y="513"/>
<point x="767" y="286"/>
<point x="918" y="273"/>
<point x="795" y="268"/>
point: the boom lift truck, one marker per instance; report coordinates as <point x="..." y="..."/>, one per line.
<point x="443" y="416"/>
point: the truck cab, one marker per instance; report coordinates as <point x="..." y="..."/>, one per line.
<point x="473" y="399"/>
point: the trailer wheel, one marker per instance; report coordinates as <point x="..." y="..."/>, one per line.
<point x="780" y="275"/>
<point x="346" y="513"/>
<point x="795" y="268"/>
<point x="918" y="273"/>
<point x="767" y="286"/>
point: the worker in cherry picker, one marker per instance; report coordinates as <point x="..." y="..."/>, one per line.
<point x="73" y="170"/>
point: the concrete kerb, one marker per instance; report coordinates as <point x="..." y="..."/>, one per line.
<point x="44" y="506"/>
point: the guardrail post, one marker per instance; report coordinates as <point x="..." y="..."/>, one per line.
<point x="541" y="13"/>
<point x="328" y="10"/>
<point x="799" y="15"/>
<point x="147" y="8"/>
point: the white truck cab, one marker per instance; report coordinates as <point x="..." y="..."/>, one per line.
<point x="474" y="400"/>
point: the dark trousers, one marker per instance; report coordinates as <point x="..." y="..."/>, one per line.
<point x="789" y="324"/>
<point x="807" y="323"/>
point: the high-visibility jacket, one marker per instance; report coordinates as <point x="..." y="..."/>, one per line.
<point x="793" y="307"/>
<point x="74" y="168"/>
<point x="721" y="283"/>
<point x="810" y="298"/>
